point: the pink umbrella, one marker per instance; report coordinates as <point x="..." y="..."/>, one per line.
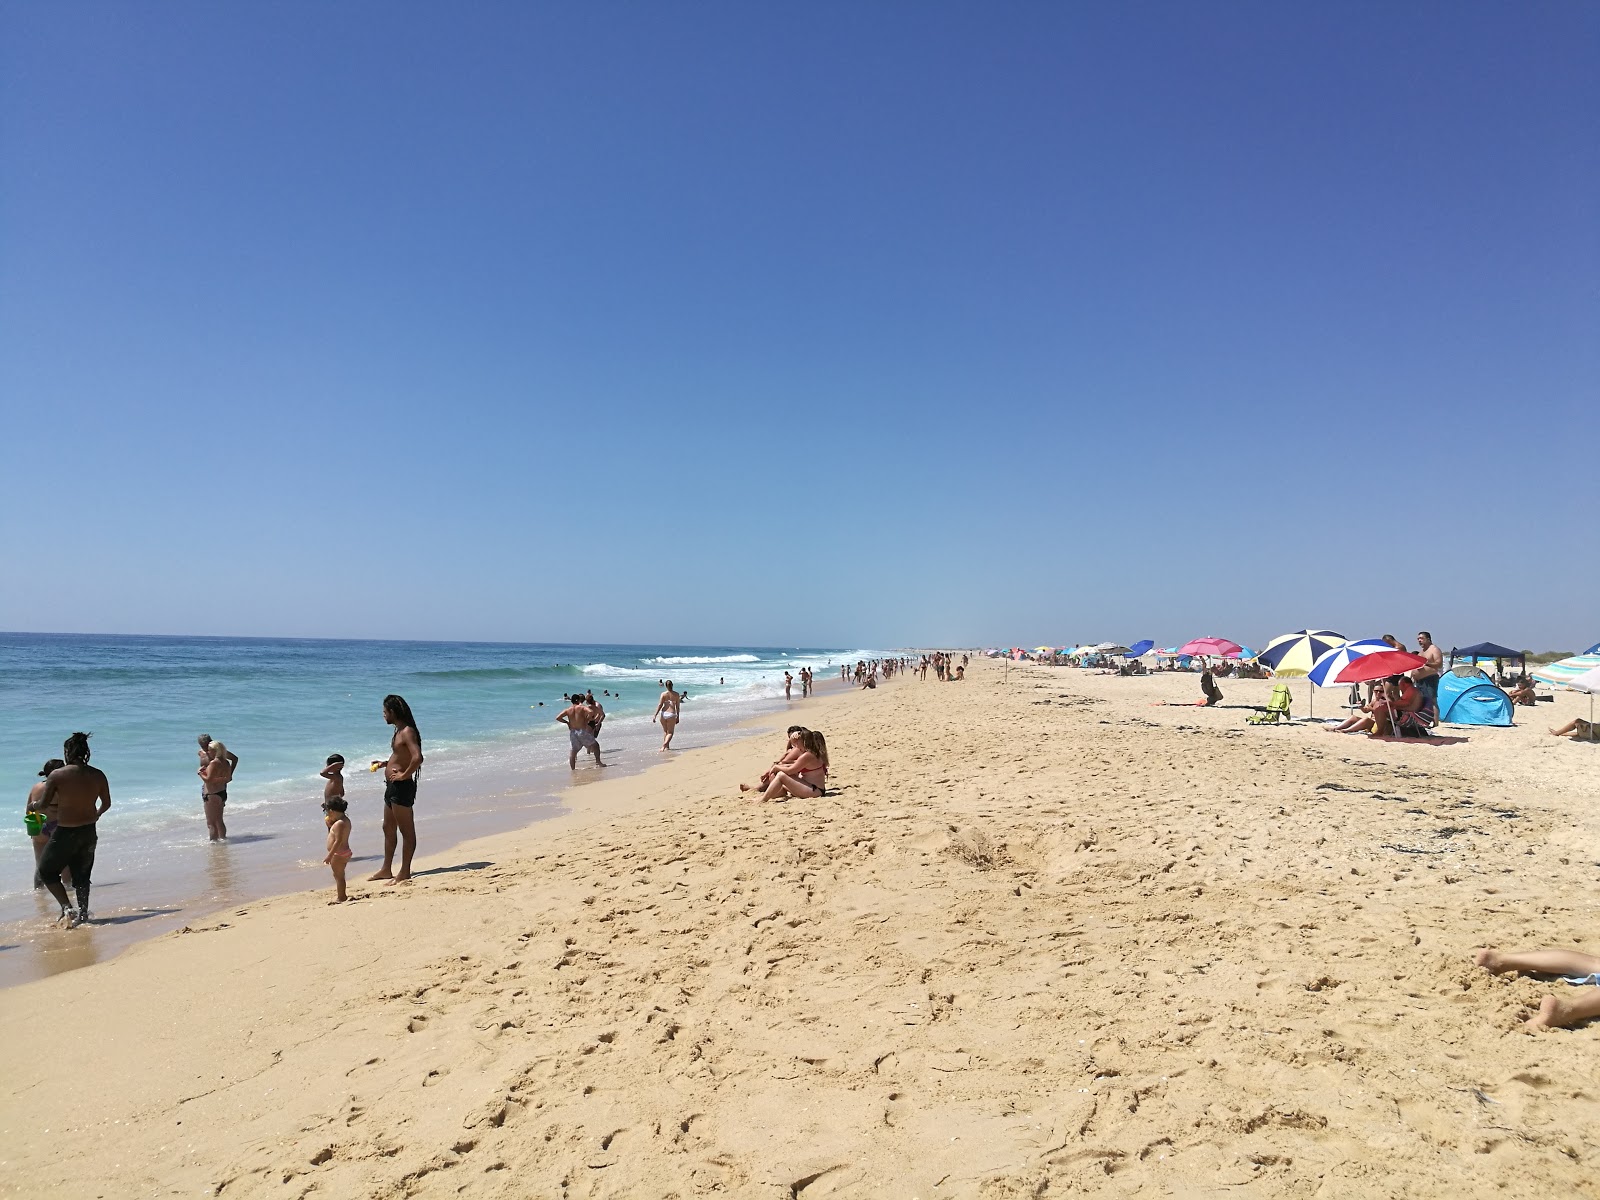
<point x="1215" y="647"/>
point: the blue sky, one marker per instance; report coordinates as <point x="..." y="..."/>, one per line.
<point x="810" y="324"/>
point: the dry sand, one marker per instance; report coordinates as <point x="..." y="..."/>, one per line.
<point x="1048" y="938"/>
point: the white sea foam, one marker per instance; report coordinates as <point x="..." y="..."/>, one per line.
<point x="695" y="660"/>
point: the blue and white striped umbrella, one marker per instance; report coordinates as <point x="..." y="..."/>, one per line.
<point x="1568" y="669"/>
<point x="1327" y="667"/>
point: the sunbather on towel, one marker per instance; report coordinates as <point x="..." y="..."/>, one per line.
<point x="1555" y="1012"/>
<point x="1579" y="730"/>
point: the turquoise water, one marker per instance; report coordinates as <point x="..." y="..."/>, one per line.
<point x="284" y="705"/>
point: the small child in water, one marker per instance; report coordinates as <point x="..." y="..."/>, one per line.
<point x="333" y="810"/>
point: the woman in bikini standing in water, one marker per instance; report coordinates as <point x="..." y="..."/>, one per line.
<point x="667" y="711"/>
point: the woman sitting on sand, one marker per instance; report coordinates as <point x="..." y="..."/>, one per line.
<point x="1574" y="965"/>
<point x="1579" y="730"/>
<point x="792" y="751"/>
<point x="806" y="777"/>
<point x="1404" y="711"/>
<point x="1209" y="690"/>
<point x="1522" y="693"/>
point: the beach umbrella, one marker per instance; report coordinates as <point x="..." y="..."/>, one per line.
<point x="1044" y="649"/>
<point x="1325" y="671"/>
<point x="1293" y="654"/>
<point x="1139" y="649"/>
<point x="1110" y="648"/>
<point x="1380" y="664"/>
<point x="1594" y="649"/>
<point x="1568" y="669"/>
<point x="1589" y="682"/>
<point x="1214" y="646"/>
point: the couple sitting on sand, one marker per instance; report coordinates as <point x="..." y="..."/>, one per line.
<point x="1396" y="708"/>
<point x="801" y="772"/>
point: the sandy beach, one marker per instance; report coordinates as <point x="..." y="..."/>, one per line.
<point x="1050" y="934"/>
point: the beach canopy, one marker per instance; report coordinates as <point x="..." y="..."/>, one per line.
<point x="1379" y="665"/>
<point x="1296" y="653"/>
<point x="1214" y="646"/>
<point x="1484" y="650"/>
<point x="1325" y="671"/>
<point x="1139" y="649"/>
<point x="1558" y="673"/>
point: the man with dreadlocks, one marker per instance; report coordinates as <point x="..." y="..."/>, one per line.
<point x="400" y="789"/>
<point x="80" y="796"/>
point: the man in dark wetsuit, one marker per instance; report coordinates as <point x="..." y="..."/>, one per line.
<point x="80" y="796"/>
<point x="400" y="788"/>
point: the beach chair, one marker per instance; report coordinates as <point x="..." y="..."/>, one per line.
<point x="1277" y="707"/>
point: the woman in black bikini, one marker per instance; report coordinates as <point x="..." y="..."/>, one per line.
<point x="806" y="777"/>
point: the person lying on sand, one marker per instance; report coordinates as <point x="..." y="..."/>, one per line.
<point x="1555" y="1012"/>
<point x="792" y="751"/>
<point x="1579" y="730"/>
<point x="806" y="777"/>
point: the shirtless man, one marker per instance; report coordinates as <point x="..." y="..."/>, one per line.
<point x="577" y="718"/>
<point x="400" y="789"/>
<point x="80" y="796"/>
<point x="668" y="709"/>
<point x="1426" y="676"/>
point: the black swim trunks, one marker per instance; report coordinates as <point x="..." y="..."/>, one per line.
<point x="70" y="847"/>
<point x="400" y="791"/>
<point x="222" y="795"/>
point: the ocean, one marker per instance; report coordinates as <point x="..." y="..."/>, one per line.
<point x="486" y="712"/>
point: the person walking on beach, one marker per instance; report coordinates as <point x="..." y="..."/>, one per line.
<point x="597" y="718"/>
<point x="400" y="789"/>
<point x="40" y="821"/>
<point x="80" y="795"/>
<point x="668" y="709"/>
<point x="577" y="718"/>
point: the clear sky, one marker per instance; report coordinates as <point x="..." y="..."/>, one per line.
<point x="822" y="324"/>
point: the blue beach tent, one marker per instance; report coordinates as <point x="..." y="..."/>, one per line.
<point x="1594" y="649"/>
<point x="1471" y="699"/>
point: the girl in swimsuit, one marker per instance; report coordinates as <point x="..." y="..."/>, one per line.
<point x="338" y="856"/>
<point x="806" y="777"/>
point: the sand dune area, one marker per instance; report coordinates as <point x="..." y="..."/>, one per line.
<point x="1050" y="934"/>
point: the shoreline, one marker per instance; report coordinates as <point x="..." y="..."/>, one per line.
<point x="1051" y="932"/>
<point x="274" y="860"/>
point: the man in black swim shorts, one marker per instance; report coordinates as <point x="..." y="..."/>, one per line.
<point x="400" y="789"/>
<point x="81" y="795"/>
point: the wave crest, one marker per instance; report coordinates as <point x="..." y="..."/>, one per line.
<point x="700" y="660"/>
